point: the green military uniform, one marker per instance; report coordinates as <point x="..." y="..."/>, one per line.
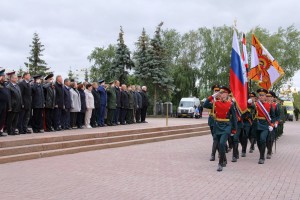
<point x="225" y="123"/>
<point x="211" y="121"/>
<point x="282" y="117"/>
<point x="236" y="136"/>
<point x="263" y="124"/>
<point x="111" y="104"/>
<point x="129" y="114"/>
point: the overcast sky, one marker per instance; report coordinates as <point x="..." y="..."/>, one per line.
<point x="70" y="29"/>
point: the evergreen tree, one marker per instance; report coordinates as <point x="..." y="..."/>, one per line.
<point x="36" y="64"/>
<point x="86" y="75"/>
<point x="20" y="71"/>
<point x="153" y="69"/>
<point x="71" y="74"/>
<point x="140" y="55"/>
<point x="122" y="61"/>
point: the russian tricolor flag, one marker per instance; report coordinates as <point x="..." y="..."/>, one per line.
<point x="238" y="79"/>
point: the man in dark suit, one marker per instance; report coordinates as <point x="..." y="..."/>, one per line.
<point x="59" y="103"/>
<point x="38" y="104"/>
<point x="4" y="98"/>
<point x="25" y="114"/>
<point x="68" y="102"/>
<point x="139" y="104"/>
<point x="124" y="103"/>
<point x="118" y="101"/>
<point x="50" y="96"/>
<point x="15" y="105"/>
<point x="145" y="103"/>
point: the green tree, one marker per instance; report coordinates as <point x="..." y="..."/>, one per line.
<point x="86" y="75"/>
<point x="101" y="59"/>
<point x="122" y="61"/>
<point x="154" y="71"/>
<point x="71" y="74"/>
<point x="37" y="66"/>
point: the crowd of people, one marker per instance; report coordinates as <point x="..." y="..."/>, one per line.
<point x="263" y="122"/>
<point x="48" y="106"/>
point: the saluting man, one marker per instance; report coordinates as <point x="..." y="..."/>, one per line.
<point x="265" y="120"/>
<point x="225" y="121"/>
<point x="215" y="89"/>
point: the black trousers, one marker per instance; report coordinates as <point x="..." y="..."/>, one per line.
<point x="11" y="122"/>
<point x="94" y="118"/>
<point x="143" y="114"/>
<point x="65" y="119"/>
<point x="2" y="117"/>
<point x="73" y="119"/>
<point x="57" y="117"/>
<point x="37" y="119"/>
<point x="117" y="115"/>
<point x="123" y="115"/>
<point x="49" y="116"/>
<point x="138" y="115"/>
<point x="24" y="117"/>
<point x="80" y="119"/>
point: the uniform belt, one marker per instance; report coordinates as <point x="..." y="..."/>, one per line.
<point x="263" y="118"/>
<point x="222" y="120"/>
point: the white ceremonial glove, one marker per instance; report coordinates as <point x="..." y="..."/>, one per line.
<point x="216" y="94"/>
<point x="276" y="125"/>
<point x="250" y="101"/>
<point x="270" y="128"/>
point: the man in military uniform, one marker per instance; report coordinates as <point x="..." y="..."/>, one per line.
<point x="215" y="89"/>
<point x="38" y="104"/>
<point x="111" y="103"/>
<point x="225" y="121"/>
<point x="4" y="99"/>
<point x="50" y="102"/>
<point x="103" y="101"/>
<point x="282" y="110"/>
<point x="239" y="131"/>
<point x="252" y="134"/>
<point x="265" y="122"/>
<point x="271" y="98"/>
<point x="248" y="117"/>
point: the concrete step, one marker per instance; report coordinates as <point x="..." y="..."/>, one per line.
<point x="91" y="141"/>
<point x="61" y="136"/>
<point x="77" y="149"/>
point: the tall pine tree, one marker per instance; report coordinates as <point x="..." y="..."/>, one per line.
<point x="152" y="65"/>
<point x="122" y="61"/>
<point x="37" y="66"/>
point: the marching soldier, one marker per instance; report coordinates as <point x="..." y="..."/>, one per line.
<point x="215" y="89"/>
<point x="225" y="122"/>
<point x="282" y="118"/>
<point x="252" y="133"/>
<point x="271" y="97"/>
<point x="265" y="120"/>
<point x="4" y="98"/>
<point x="235" y="137"/>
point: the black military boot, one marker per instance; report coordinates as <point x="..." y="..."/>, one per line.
<point x="234" y="153"/>
<point x="262" y="154"/>
<point x="213" y="151"/>
<point x="221" y="161"/>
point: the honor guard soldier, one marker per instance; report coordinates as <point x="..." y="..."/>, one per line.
<point x="225" y="122"/>
<point x="252" y="134"/>
<point x="215" y="89"/>
<point x="248" y="132"/>
<point x="271" y="97"/>
<point x="4" y="99"/>
<point x="235" y="137"/>
<point x="265" y="120"/>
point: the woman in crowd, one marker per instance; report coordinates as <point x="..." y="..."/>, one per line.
<point x="90" y="105"/>
<point x="76" y="103"/>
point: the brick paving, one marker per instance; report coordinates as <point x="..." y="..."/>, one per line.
<point x="175" y="169"/>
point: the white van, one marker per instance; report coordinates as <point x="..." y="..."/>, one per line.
<point x="187" y="107"/>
